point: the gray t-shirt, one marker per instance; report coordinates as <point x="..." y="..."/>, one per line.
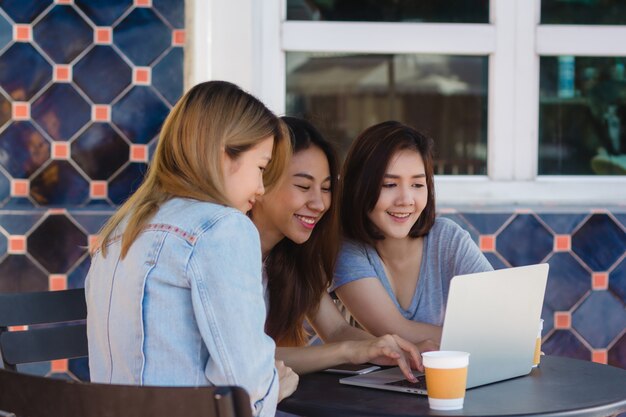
<point x="448" y="251"/>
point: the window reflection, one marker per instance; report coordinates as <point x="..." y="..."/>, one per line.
<point x="450" y="11"/>
<point x="582" y="116"/>
<point x="443" y="96"/>
<point x="583" y="12"/>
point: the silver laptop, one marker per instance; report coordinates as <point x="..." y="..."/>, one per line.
<point x="492" y="315"/>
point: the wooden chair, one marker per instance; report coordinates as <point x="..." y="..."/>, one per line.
<point x="37" y="344"/>
<point x="34" y="396"/>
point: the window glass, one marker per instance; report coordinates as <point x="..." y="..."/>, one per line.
<point x="451" y="11"/>
<point x="583" y="12"/>
<point x="582" y="116"/>
<point x="443" y="96"/>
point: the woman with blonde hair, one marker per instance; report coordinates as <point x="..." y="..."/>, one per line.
<point x="174" y="291"/>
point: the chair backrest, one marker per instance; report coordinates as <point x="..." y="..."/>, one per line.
<point x="68" y="340"/>
<point x="35" y="396"/>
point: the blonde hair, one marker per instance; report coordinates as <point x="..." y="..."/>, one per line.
<point x="212" y="117"/>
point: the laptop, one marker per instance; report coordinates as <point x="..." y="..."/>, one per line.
<point x="492" y="315"/>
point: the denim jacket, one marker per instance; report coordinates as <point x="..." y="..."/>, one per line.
<point x="185" y="306"/>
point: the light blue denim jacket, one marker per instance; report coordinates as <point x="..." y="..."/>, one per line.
<point x="185" y="306"/>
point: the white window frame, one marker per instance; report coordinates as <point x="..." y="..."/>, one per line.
<point x="258" y="36"/>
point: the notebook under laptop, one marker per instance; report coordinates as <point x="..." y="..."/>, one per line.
<point x="492" y="315"/>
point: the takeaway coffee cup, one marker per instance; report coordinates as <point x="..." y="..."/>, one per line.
<point x="537" y="357"/>
<point x="446" y="378"/>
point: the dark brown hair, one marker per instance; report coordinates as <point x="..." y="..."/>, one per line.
<point x="362" y="178"/>
<point x="299" y="274"/>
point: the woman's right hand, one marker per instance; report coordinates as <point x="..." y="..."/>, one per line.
<point x="287" y="380"/>
<point x="388" y="350"/>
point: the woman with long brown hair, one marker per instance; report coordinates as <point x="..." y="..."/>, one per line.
<point x="298" y="225"/>
<point x="174" y="293"/>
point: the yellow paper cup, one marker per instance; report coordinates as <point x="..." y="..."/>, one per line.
<point x="446" y="378"/>
<point x="537" y="357"/>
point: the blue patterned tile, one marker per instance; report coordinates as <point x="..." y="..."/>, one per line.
<point x="599" y="242"/>
<point x="600" y="318"/>
<point x="460" y="220"/>
<point x="167" y="75"/>
<point x="487" y="223"/>
<point x="102" y="74"/>
<point x="564" y="343"/>
<point x="562" y="223"/>
<point x="617" y="353"/>
<point x="496" y="261"/>
<point x="568" y="281"/>
<point x="23" y="149"/>
<point x="61" y="111"/>
<point x="100" y="151"/>
<point x="621" y="217"/>
<point x="63" y="34"/>
<point x="4" y="244"/>
<point x="524" y="241"/>
<point x="35" y="368"/>
<point x="104" y="12"/>
<point x="126" y="182"/>
<point x="617" y="280"/>
<point x="140" y="114"/>
<point x="57" y="244"/>
<point x="172" y="10"/>
<point x="79" y="367"/>
<point x="5" y="110"/>
<point x="76" y="279"/>
<point x="6" y="32"/>
<point x="19" y="274"/>
<point x="19" y="203"/>
<point x="59" y="184"/>
<point x="547" y="314"/>
<point x="142" y="36"/>
<point x="91" y="221"/>
<point x="23" y="71"/>
<point x="98" y="204"/>
<point x="19" y="223"/>
<point x="22" y="11"/>
<point x="5" y="187"/>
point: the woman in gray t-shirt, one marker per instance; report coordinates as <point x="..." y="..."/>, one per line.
<point x="395" y="266"/>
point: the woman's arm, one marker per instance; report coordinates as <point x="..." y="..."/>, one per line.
<point x="371" y="306"/>
<point x="348" y="345"/>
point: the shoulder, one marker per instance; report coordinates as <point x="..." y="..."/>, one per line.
<point x="351" y="249"/>
<point x="445" y="228"/>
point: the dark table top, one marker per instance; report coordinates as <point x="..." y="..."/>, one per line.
<point x="560" y="387"/>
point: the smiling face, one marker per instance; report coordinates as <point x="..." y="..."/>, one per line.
<point x="243" y="176"/>
<point x="294" y="207"/>
<point x="403" y="195"/>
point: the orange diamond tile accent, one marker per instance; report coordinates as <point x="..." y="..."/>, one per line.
<point x="64" y="1"/>
<point x="487" y="243"/>
<point x="142" y="75"/>
<point x="20" y="188"/>
<point x="600" y="356"/>
<point x="562" y="243"/>
<point x="57" y="282"/>
<point x="93" y="242"/>
<point x="143" y="3"/>
<point x="59" y="366"/>
<point x="101" y="113"/>
<point x="21" y="110"/>
<point x="22" y="33"/>
<point x="60" y="150"/>
<point x="17" y="244"/>
<point x="98" y="189"/>
<point x="103" y="36"/>
<point x="138" y="153"/>
<point x="562" y="320"/>
<point x="18" y="328"/>
<point x="599" y="281"/>
<point x="178" y="37"/>
<point x="58" y="211"/>
<point x="62" y="73"/>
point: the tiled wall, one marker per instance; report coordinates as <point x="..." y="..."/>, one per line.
<point x="84" y="88"/>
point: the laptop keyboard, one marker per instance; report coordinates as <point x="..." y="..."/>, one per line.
<point x="420" y="384"/>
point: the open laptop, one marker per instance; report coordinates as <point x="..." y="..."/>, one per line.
<point x="492" y="315"/>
